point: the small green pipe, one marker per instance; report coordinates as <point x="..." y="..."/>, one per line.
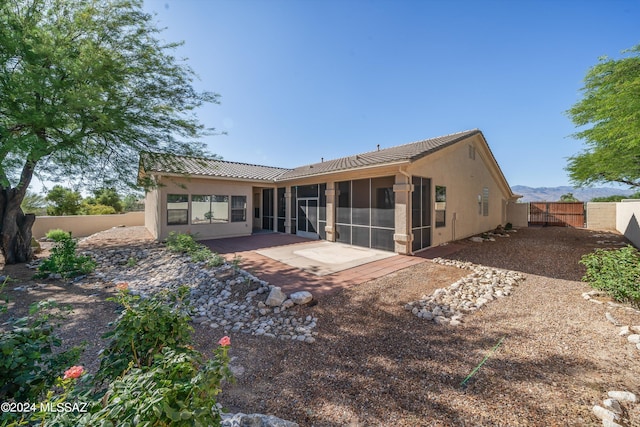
<point x="477" y="368"/>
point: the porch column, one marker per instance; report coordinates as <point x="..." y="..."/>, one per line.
<point x="330" y="228"/>
<point x="403" y="236"/>
<point x="287" y="214"/>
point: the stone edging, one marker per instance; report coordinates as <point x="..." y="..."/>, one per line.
<point x="615" y="408"/>
<point x="448" y="305"/>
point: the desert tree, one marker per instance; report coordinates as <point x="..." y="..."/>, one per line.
<point x="608" y="117"/>
<point x="85" y="85"/>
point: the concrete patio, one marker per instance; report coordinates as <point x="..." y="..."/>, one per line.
<point x="288" y="249"/>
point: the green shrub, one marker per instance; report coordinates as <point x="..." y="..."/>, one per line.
<point x="58" y="235"/>
<point x="178" y="389"/>
<point x="143" y="330"/>
<point x="153" y="378"/>
<point x="64" y="261"/>
<point x="616" y="272"/>
<point x="29" y="366"/>
<point x="4" y="300"/>
<point x="88" y="209"/>
<point x="185" y="243"/>
<point x="181" y="242"/>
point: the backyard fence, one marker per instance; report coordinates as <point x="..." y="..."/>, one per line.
<point x="85" y="225"/>
<point x="563" y="214"/>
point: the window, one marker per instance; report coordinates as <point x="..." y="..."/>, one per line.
<point x="200" y="209"/>
<point x="472" y="152"/>
<point x="441" y="206"/>
<point x="209" y="209"/>
<point x="177" y="209"/>
<point x="238" y="208"/>
<point x="219" y="209"/>
<point x="485" y="201"/>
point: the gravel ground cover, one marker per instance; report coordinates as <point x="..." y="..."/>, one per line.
<point x="376" y="364"/>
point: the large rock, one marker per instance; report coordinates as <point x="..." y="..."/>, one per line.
<point x="634" y="339"/>
<point x="622" y="396"/>
<point x="612" y="405"/>
<point x="301" y="297"/>
<point x="276" y="297"/>
<point x="254" y="420"/>
<point x="604" y="414"/>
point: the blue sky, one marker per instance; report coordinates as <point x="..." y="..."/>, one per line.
<point x="301" y="80"/>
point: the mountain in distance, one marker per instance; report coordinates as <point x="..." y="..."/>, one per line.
<point x="553" y="194"/>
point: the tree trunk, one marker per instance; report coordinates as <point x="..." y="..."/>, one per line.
<point x="15" y="228"/>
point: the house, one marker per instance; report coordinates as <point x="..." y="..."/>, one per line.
<point x="401" y="199"/>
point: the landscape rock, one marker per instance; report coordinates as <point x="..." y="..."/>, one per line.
<point x="222" y="297"/>
<point x="483" y="285"/>
<point x="254" y="420"/>
<point x="617" y="410"/>
<point x="276" y="297"/>
<point x="622" y="396"/>
<point x="612" y="405"/>
<point x="605" y="414"/>
<point x="634" y="339"/>
<point x="611" y="319"/>
<point x="301" y="297"/>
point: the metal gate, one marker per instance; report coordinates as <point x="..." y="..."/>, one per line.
<point x="563" y="214"/>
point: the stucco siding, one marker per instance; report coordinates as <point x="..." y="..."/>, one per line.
<point x="197" y="186"/>
<point x="464" y="178"/>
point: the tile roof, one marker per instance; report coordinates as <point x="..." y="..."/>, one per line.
<point x="400" y="153"/>
<point x="170" y="163"/>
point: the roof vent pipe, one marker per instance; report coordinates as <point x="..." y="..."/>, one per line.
<point x="378" y="147"/>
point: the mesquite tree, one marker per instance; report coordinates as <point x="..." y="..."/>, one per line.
<point x="85" y="85"/>
<point x="609" y="117"/>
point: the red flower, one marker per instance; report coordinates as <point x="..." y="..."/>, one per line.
<point x="73" y="372"/>
<point x="225" y="341"/>
<point x="122" y="286"/>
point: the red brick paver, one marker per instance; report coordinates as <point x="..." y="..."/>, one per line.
<point x="292" y="279"/>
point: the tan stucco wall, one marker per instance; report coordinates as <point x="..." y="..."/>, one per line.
<point x="85" y="225"/>
<point x="601" y="215"/>
<point x="627" y="221"/>
<point x="199" y="186"/>
<point x="464" y="179"/>
<point x="518" y="214"/>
